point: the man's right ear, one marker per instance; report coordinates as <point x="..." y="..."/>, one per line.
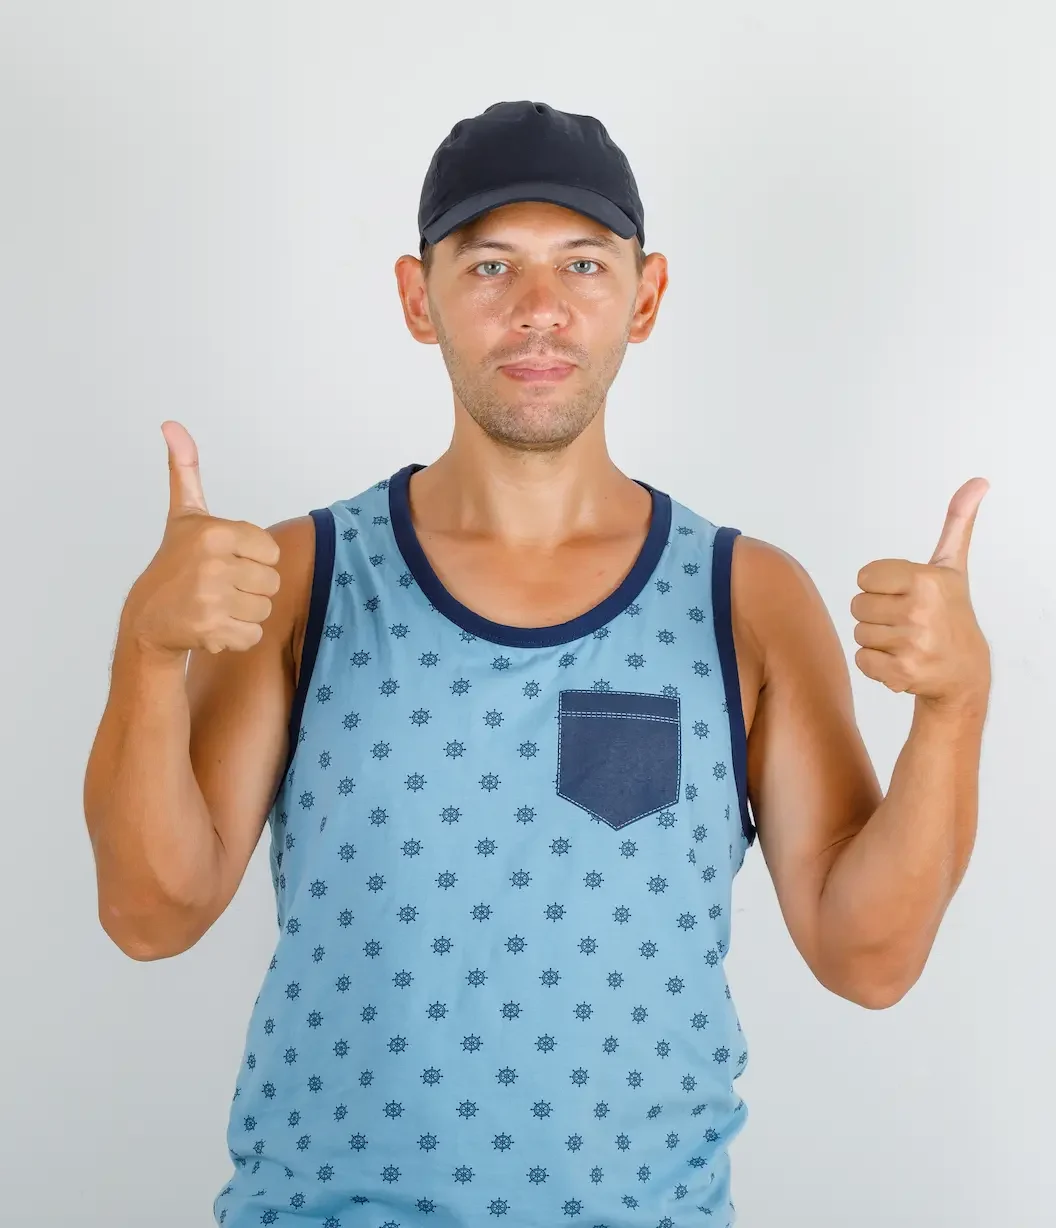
<point x="410" y="280"/>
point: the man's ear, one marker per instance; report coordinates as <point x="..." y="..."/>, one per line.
<point x="414" y="297"/>
<point x="652" y="286"/>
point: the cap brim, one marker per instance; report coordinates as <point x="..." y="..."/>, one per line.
<point x="580" y="200"/>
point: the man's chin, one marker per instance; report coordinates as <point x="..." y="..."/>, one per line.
<point x="535" y="427"/>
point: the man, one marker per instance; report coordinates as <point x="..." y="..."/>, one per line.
<point x="505" y="714"/>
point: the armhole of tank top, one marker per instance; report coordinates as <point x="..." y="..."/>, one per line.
<point x="722" y="609"/>
<point x="322" y="575"/>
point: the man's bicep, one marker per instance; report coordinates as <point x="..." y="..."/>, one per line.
<point x="810" y="778"/>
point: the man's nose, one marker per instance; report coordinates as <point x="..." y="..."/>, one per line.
<point x="540" y="302"/>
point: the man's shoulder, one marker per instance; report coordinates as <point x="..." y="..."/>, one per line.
<point x="768" y="577"/>
<point x="776" y="602"/>
<point x="296" y="568"/>
<point x="765" y="562"/>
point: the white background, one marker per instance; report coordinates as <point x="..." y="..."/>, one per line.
<point x="200" y="206"/>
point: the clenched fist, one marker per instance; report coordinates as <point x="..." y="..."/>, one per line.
<point x="211" y="582"/>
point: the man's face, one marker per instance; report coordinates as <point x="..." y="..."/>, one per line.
<point x="533" y="307"/>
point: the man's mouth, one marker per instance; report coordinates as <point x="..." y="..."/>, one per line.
<point x="539" y="370"/>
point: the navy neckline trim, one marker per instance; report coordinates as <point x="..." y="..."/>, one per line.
<point x="525" y="637"/>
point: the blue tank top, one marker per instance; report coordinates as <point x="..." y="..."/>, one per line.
<point x="503" y="860"/>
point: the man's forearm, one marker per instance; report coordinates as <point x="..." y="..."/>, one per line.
<point x="156" y="849"/>
<point x="888" y="888"/>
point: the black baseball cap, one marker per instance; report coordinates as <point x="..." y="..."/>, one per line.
<point x="519" y="151"/>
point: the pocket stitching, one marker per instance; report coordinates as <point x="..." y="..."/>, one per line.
<point x="670" y="720"/>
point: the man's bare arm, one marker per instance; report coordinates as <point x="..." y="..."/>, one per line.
<point x="183" y="770"/>
<point x="863" y="881"/>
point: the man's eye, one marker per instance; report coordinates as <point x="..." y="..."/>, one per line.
<point x="489" y="267"/>
<point x="577" y="265"/>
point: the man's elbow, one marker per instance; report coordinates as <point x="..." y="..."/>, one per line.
<point x="876" y="988"/>
<point x="876" y="996"/>
<point x="146" y="938"/>
<point x="147" y="952"/>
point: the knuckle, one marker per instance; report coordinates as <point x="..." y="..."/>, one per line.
<point x="211" y="568"/>
<point x="928" y="588"/>
<point x="917" y="613"/>
<point x="206" y="605"/>
<point x="912" y="663"/>
<point x="248" y="531"/>
<point x="215" y="536"/>
<point x="257" y="543"/>
<point x="203" y="633"/>
<point x="206" y="617"/>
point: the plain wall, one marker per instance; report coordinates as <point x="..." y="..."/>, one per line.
<point x="200" y="207"/>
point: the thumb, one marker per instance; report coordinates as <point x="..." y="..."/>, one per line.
<point x="185" y="483"/>
<point x="952" y="550"/>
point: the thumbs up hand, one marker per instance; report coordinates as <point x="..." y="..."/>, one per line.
<point x="211" y="581"/>
<point x="917" y="628"/>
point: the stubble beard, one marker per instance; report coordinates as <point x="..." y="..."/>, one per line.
<point x="547" y="425"/>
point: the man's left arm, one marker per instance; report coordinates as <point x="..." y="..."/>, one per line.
<point x="864" y="879"/>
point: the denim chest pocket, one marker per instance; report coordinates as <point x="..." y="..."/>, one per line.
<point x="619" y="753"/>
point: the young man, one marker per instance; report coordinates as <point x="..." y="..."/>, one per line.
<point x="505" y="714"/>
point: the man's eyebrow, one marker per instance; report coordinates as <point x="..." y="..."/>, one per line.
<point x="596" y="240"/>
<point x="475" y="244"/>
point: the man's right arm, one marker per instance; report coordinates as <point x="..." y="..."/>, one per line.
<point x="184" y="768"/>
<point x="189" y="752"/>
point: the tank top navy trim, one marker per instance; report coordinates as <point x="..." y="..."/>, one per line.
<point x="322" y="575"/>
<point x="525" y="637"/>
<point x="722" y="612"/>
<point x="559" y="633"/>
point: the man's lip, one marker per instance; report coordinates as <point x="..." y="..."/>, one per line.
<point x="538" y="366"/>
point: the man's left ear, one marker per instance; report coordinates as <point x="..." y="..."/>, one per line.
<point x="652" y="286"/>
